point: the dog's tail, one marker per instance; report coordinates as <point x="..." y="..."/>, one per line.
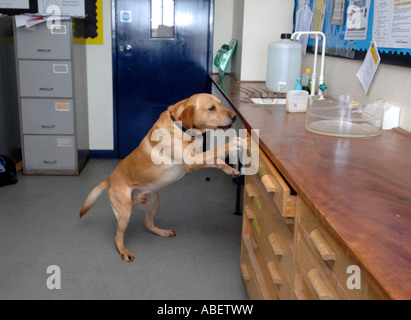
<point x="92" y="197"/>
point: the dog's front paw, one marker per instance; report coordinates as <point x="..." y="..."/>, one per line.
<point x="127" y="256"/>
<point x="236" y="144"/>
<point x="232" y="172"/>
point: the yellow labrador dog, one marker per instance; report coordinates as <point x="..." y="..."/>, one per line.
<point x="164" y="156"/>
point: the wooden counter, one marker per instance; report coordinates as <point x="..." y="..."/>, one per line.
<point x="358" y="188"/>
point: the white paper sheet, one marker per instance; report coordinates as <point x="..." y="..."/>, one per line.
<point x="15" y="4"/>
<point x="72" y="8"/>
<point x="392" y="24"/>
<point x="369" y="67"/>
<point x="358" y="12"/>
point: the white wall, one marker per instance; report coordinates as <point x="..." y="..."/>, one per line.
<point x="100" y="88"/>
<point x="223" y="21"/>
<point x="264" y="22"/>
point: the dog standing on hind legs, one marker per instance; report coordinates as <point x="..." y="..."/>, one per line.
<point x="162" y="159"/>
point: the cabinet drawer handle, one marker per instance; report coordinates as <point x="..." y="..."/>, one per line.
<point x="43" y="50"/>
<point x="269" y="183"/>
<point x="322" y="246"/>
<point x="49" y="162"/>
<point x="250" y="190"/>
<point x="275" y="244"/>
<point x="46" y="89"/>
<point x="275" y="275"/>
<point x="244" y="271"/>
<point x="320" y="287"/>
<point x="45" y="126"/>
<point x="249" y="212"/>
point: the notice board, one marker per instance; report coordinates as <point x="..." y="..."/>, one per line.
<point x="350" y="26"/>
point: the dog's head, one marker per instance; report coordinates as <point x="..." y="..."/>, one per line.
<point x="204" y="111"/>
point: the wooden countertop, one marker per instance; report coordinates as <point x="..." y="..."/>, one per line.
<point x="359" y="188"/>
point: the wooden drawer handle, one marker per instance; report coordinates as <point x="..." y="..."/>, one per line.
<point x="319" y="285"/>
<point x="250" y="190"/>
<point x="275" y="275"/>
<point x="322" y="246"/>
<point x="275" y="244"/>
<point x="244" y="271"/>
<point x="248" y="212"/>
<point x="269" y="183"/>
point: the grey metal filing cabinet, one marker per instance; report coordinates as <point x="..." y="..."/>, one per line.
<point x="52" y="81"/>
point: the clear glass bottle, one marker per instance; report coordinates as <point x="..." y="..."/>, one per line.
<point x="306" y="80"/>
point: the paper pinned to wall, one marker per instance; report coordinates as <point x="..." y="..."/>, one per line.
<point x="392" y="24"/>
<point x="303" y="21"/>
<point x="318" y="15"/>
<point x="72" y="8"/>
<point x="369" y="67"/>
<point x="358" y="12"/>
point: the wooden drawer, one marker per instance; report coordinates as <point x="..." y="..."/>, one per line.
<point x="47" y="116"/>
<point x="274" y="184"/>
<point x="49" y="153"/>
<point x="40" y="42"/>
<point x="271" y="266"/>
<point x="269" y="225"/>
<point x="252" y="274"/>
<point x="329" y="255"/>
<point x="45" y="79"/>
<point x="302" y="291"/>
<point x="317" y="281"/>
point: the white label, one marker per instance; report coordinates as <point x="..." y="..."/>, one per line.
<point x="64" y="143"/>
<point x="125" y="16"/>
<point x="60" y="68"/>
<point x="62" y="106"/>
<point x="58" y="29"/>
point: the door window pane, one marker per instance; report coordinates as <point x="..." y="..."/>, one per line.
<point x="162" y="18"/>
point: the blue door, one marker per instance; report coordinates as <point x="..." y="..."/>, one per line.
<point x="163" y="54"/>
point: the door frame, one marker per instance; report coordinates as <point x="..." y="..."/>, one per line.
<point x="115" y="152"/>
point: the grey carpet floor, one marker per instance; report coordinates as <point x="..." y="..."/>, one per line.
<point x="40" y="227"/>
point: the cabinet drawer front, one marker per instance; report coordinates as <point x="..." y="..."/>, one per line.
<point x="40" y="42"/>
<point x="315" y="277"/>
<point x="49" y="152"/>
<point x="45" y="78"/>
<point x="330" y="256"/>
<point x="273" y="269"/>
<point x="47" y="116"/>
<point x="268" y="226"/>
<point x="252" y="273"/>
<point x="275" y="185"/>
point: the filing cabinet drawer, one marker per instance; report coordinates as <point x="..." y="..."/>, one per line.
<point x="40" y="42"/>
<point x="47" y="116"/>
<point x="49" y="153"/>
<point x="45" y="79"/>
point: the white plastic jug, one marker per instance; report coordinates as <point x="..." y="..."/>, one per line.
<point x="283" y="64"/>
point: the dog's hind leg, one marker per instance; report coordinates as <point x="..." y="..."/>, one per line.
<point x="151" y="207"/>
<point x="121" y="203"/>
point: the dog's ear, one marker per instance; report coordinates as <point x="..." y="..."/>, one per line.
<point x="187" y="117"/>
